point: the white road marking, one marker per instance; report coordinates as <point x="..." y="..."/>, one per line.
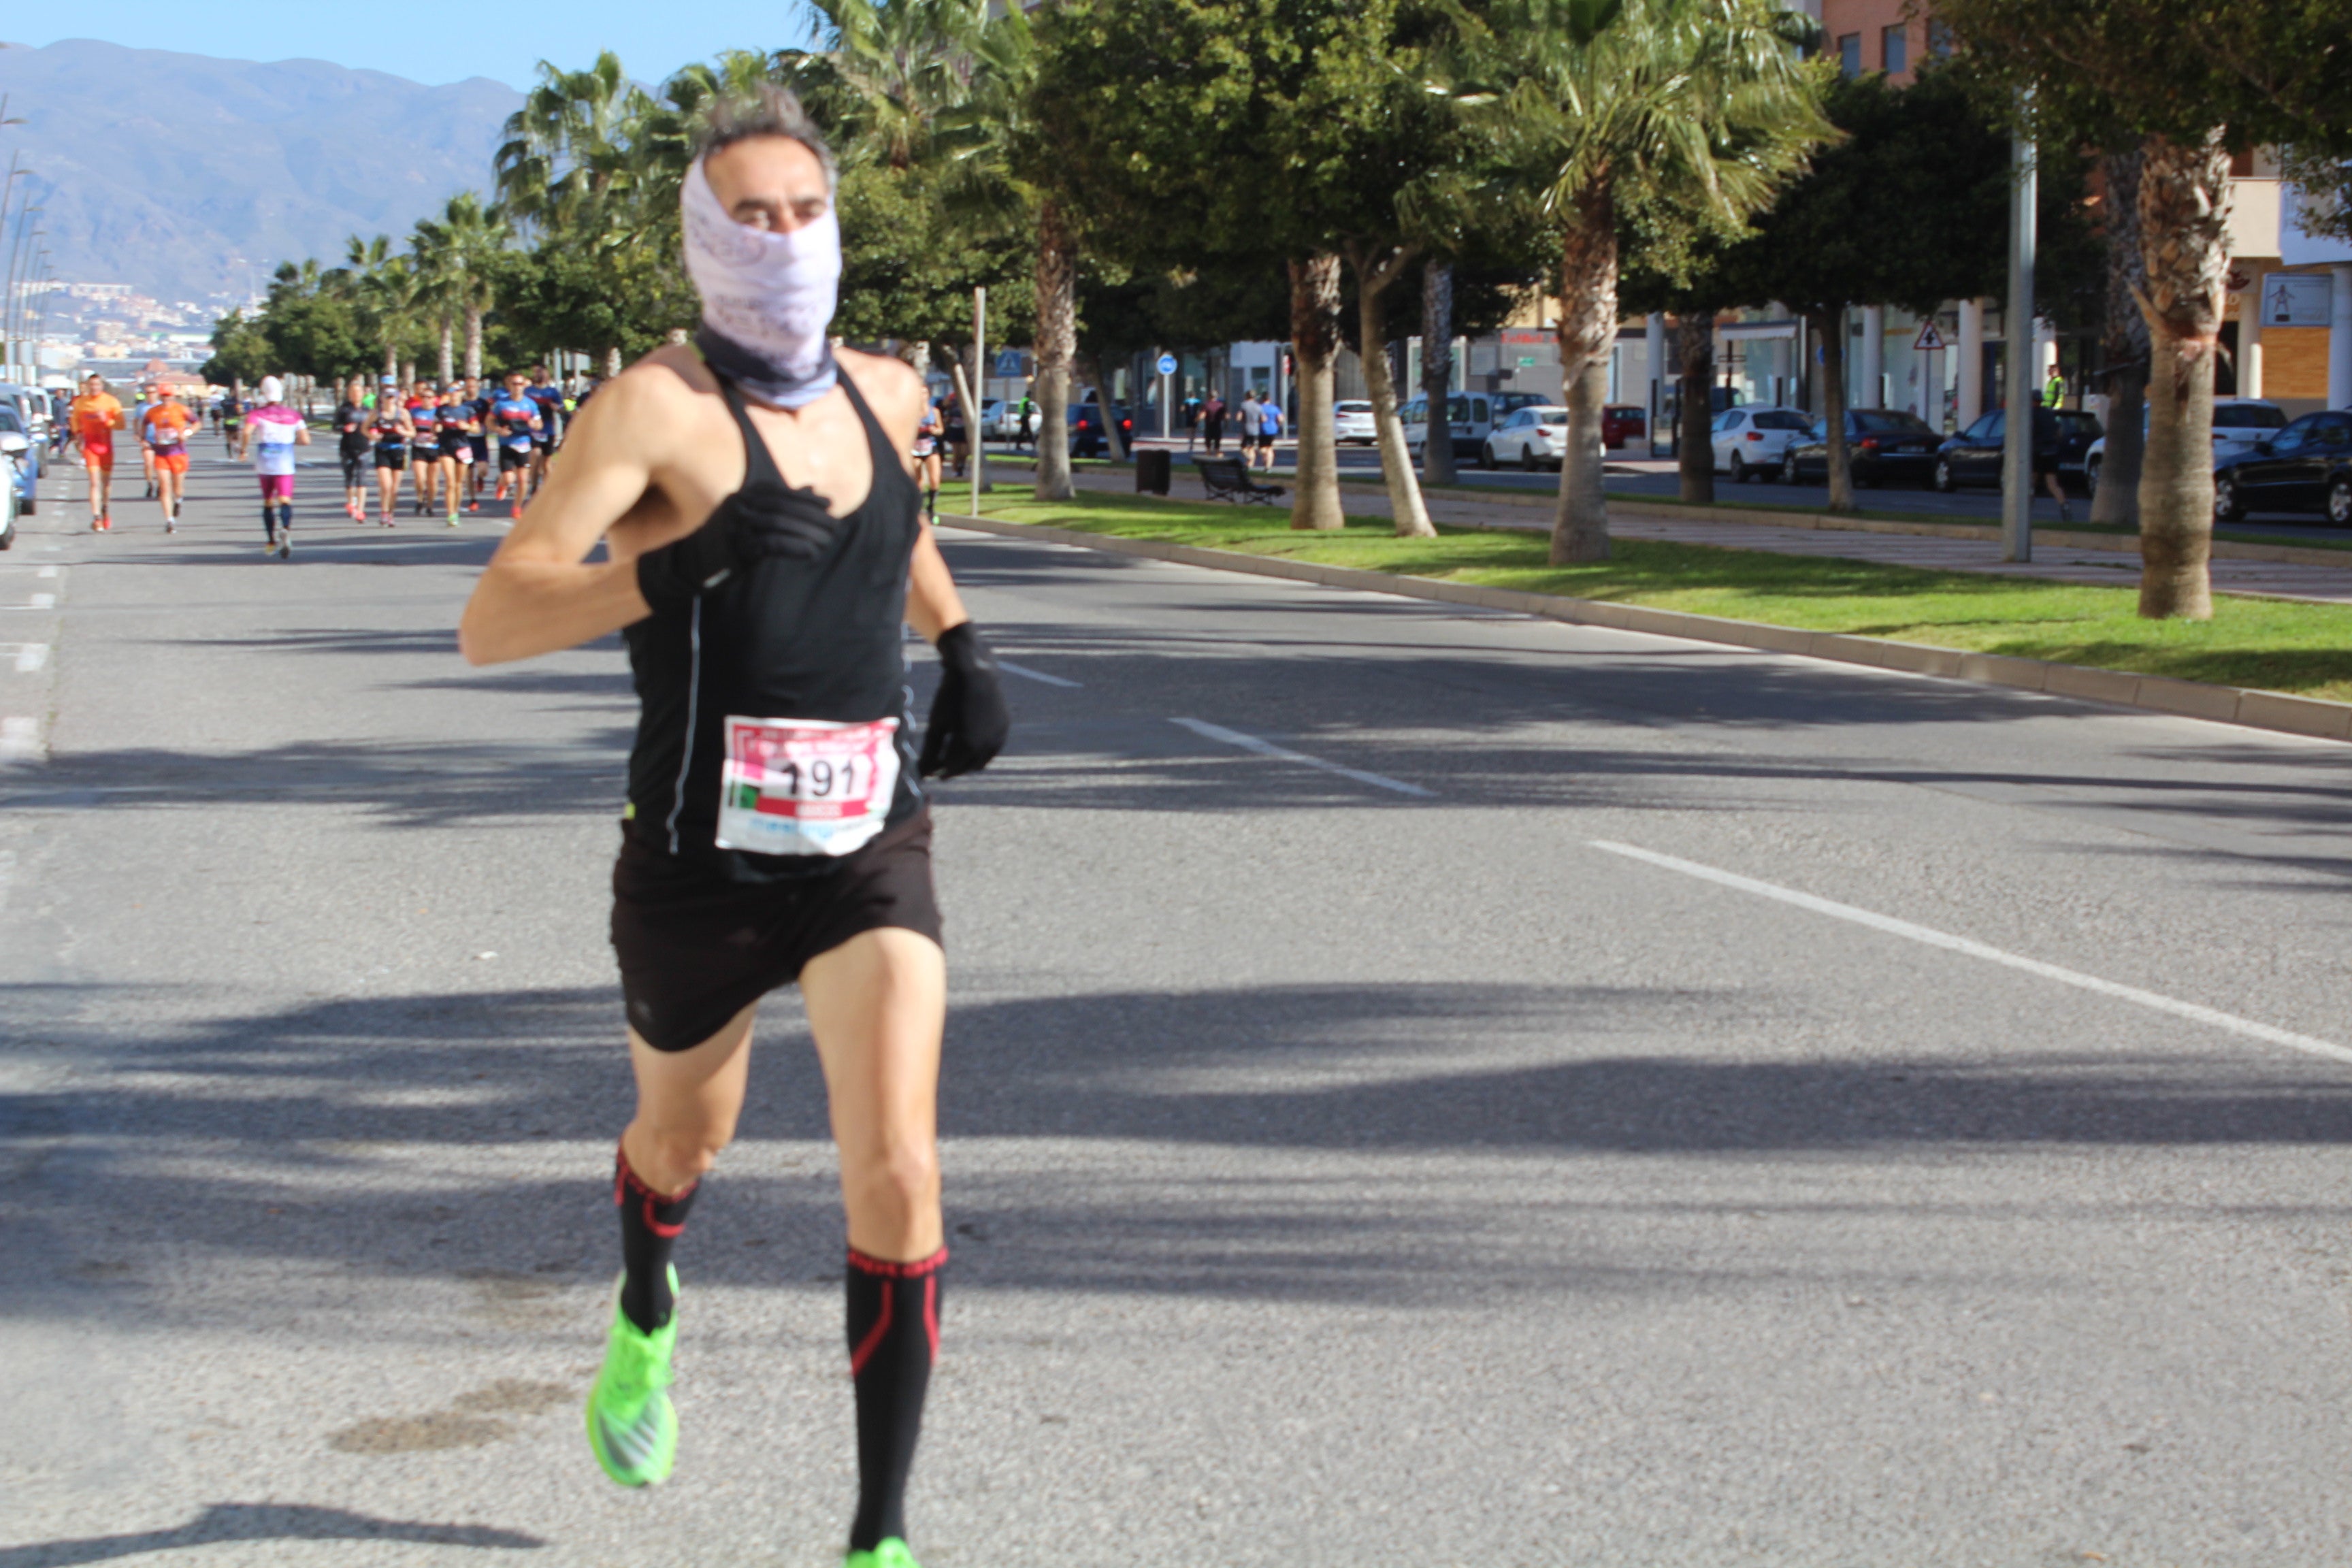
<point x="2179" y="1009"/>
<point x="43" y="601"/>
<point x="1269" y="749"/>
<point x="47" y="571"/>
<point x="1037" y="675"/>
<point x="20" y="738"/>
<point x="31" y="655"/>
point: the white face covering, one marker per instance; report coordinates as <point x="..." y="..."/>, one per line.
<point x="767" y="298"/>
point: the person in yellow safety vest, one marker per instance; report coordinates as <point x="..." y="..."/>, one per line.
<point x="2054" y="390"/>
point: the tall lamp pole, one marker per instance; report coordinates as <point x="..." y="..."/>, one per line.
<point x="2017" y="329"/>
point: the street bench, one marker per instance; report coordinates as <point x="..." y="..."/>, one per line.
<point x="1226" y="480"/>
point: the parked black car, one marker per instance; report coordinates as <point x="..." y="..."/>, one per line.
<point x="1883" y="444"/>
<point x="1973" y="457"/>
<point x="2307" y="467"/>
<point x="1087" y="427"/>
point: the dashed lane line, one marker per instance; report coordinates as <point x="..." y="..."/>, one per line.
<point x="2231" y="1022"/>
<point x="1039" y="675"/>
<point x="1283" y="754"/>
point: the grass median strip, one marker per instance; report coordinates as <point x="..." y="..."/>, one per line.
<point x="2268" y="644"/>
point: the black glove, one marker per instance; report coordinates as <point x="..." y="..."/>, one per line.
<point x="969" y="721"/>
<point x="759" y="521"/>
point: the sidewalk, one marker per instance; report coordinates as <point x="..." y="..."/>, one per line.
<point x="2107" y="561"/>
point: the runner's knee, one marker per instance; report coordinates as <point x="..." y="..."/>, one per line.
<point x="899" y="1177"/>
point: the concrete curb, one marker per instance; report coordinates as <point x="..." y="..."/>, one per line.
<point x="2152" y="693"/>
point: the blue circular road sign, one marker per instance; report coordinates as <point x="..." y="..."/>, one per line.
<point x="1168" y="364"/>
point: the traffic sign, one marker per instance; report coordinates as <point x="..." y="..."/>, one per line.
<point x="1929" y="340"/>
<point x="1168" y="364"/>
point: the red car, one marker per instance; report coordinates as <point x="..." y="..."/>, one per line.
<point x="1622" y="423"/>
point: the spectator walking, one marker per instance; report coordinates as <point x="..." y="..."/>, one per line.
<point x="1269" y="430"/>
<point x="1249" y="419"/>
<point x="1023" y="434"/>
<point x="1213" y="425"/>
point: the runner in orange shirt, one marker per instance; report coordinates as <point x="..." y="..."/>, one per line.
<point x="96" y="417"/>
<point x="165" y="433"/>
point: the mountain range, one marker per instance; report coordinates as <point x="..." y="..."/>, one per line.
<point x="188" y="176"/>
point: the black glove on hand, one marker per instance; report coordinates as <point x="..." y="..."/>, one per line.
<point x="969" y="721"/>
<point x="759" y="521"/>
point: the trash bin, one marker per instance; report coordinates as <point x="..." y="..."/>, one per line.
<point x="1152" y="471"/>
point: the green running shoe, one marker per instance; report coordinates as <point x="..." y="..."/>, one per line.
<point x="631" y="1425"/>
<point x="889" y="1553"/>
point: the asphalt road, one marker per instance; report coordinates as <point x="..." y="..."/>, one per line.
<point x="1377" y="1132"/>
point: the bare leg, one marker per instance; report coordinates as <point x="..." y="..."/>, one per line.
<point x="687" y="1103"/>
<point x="878" y="1004"/>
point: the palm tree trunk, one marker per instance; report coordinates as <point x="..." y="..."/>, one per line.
<point x="2184" y="225"/>
<point x="1588" y="326"/>
<point x="473" y="339"/>
<point x="1372" y="281"/>
<point x="1829" y="328"/>
<point x="2125" y="348"/>
<point x="1694" y="464"/>
<point x="1090" y="372"/>
<point x="391" y="360"/>
<point x="1315" y="340"/>
<point x="1437" y="371"/>
<point x="448" y="349"/>
<point x="1057" y="340"/>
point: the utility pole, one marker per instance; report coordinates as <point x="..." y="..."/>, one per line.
<point x="2017" y="335"/>
<point x="975" y="415"/>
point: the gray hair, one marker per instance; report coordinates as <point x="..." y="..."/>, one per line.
<point x="766" y="110"/>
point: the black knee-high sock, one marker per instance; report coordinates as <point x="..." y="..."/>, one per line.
<point x="894" y="1337"/>
<point x="285" y="517"/>
<point x="649" y="1225"/>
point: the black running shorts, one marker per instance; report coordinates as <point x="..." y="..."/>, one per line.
<point x="394" y="456"/>
<point x="696" y="949"/>
<point x="511" y="458"/>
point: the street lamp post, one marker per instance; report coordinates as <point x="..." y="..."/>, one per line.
<point x="2017" y="335"/>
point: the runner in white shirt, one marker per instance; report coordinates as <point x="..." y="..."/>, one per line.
<point x="272" y="431"/>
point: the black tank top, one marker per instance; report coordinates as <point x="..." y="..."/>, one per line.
<point x="792" y="638"/>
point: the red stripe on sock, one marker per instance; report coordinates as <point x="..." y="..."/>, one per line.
<point x="931" y="1310"/>
<point x="882" y="1268"/>
<point x="625" y="1180"/>
<point x="873" y="1340"/>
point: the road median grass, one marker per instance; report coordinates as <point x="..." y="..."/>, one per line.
<point x="2266" y="644"/>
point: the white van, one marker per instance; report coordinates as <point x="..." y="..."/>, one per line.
<point x="1474" y="416"/>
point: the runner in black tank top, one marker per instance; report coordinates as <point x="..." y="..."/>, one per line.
<point x="812" y="634"/>
<point x="776" y="828"/>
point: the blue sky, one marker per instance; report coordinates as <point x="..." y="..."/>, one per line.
<point x="432" y="45"/>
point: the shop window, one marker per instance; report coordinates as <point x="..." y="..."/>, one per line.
<point x="1894" y="48"/>
<point x="1849" y="53"/>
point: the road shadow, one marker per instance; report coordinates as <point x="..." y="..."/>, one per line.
<point x="1259" y="1124"/>
<point x="263" y="1521"/>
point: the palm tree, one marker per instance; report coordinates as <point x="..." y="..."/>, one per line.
<point x="567" y="148"/>
<point x="1697" y="109"/>
<point x="901" y="64"/>
<point x="384" y="287"/>
<point x="459" y="253"/>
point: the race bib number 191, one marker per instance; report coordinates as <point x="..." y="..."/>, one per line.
<point x="805" y="786"/>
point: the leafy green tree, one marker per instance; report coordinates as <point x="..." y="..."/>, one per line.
<point x="312" y="324"/>
<point x="2184" y="81"/>
<point x="459" y="253"/>
<point x="241" y="350"/>
<point x="1692" y="113"/>
<point x="1215" y="133"/>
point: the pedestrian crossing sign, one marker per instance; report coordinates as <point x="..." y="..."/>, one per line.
<point x="1929" y="340"/>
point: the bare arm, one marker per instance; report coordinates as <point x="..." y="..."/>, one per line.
<point x="540" y="592"/>
<point x="933" y="603"/>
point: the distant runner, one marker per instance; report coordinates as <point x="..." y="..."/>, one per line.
<point x="96" y="415"/>
<point x="272" y="432"/>
<point x="165" y="432"/>
<point x="549" y="399"/>
<point x="425" y="444"/>
<point x="761" y="548"/>
<point x="453" y="417"/>
<point x="514" y="423"/>
<point x="388" y="433"/>
<point x="232" y="421"/>
<point x="351" y="442"/>
<point x="926" y="453"/>
<point x="138" y="428"/>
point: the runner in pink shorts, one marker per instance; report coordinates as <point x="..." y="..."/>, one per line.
<point x="272" y="431"/>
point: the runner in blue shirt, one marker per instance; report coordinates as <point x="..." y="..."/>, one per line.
<point x="514" y="423"/>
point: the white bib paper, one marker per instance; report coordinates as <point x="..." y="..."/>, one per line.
<point x="805" y="786"/>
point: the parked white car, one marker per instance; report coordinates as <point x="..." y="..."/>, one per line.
<point x="1751" y="440"/>
<point x="1534" y="437"/>
<point x="2238" y="423"/>
<point x="1352" y="421"/>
